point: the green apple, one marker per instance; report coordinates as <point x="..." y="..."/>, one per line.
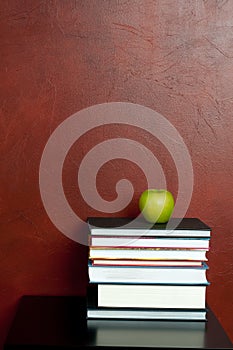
<point x="156" y="205"/>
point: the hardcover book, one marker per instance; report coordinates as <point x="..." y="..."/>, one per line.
<point x="147" y="296"/>
<point x="148" y="242"/>
<point x="136" y="313"/>
<point x="147" y="253"/>
<point x="144" y="263"/>
<point x="147" y="314"/>
<point x="110" y="226"/>
<point x="150" y="274"/>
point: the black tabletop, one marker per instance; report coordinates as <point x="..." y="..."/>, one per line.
<point x="59" y="322"/>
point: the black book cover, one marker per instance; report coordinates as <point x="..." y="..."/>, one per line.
<point x="92" y="296"/>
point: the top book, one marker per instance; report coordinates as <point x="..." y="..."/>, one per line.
<point x="125" y="226"/>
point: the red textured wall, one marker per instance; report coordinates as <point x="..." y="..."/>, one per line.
<point x="58" y="57"/>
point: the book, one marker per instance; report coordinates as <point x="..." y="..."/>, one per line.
<point x="147" y="314"/>
<point x="148" y="296"/>
<point x="147" y="253"/>
<point x="148" y="334"/>
<point x="177" y="227"/>
<point x="148" y="242"/>
<point x="121" y="262"/>
<point x="141" y="274"/>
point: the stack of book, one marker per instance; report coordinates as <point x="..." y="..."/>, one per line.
<point x="140" y="273"/>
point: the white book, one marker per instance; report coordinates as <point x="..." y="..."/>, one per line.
<point x="148" y="253"/>
<point x="147" y="314"/>
<point x="148" y="242"/>
<point x="125" y="262"/>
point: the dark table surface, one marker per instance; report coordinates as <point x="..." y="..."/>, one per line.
<point x="59" y="322"/>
